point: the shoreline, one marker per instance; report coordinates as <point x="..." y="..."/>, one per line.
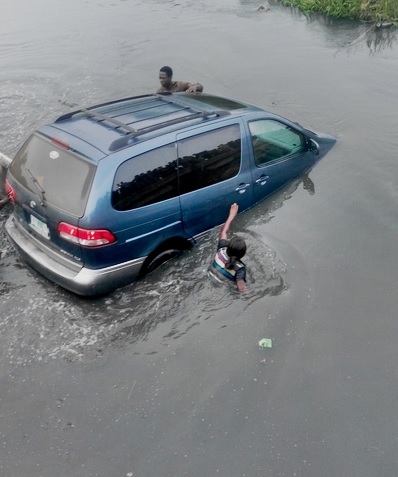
<point x="382" y="12"/>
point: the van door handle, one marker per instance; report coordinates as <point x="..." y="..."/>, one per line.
<point x="262" y="180"/>
<point x="242" y="188"/>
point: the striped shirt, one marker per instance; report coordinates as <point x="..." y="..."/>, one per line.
<point x="222" y="258"/>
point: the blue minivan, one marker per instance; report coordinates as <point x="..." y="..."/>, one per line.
<point x="105" y="194"/>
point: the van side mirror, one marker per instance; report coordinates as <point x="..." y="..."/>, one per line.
<point x="313" y="146"/>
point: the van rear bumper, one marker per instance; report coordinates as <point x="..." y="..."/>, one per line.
<point x="68" y="274"/>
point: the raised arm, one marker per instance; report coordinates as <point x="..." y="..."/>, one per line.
<point x="233" y="212"/>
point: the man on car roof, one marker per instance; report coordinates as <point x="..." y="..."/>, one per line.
<point x="170" y="86"/>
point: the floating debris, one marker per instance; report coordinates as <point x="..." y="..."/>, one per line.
<point x="384" y="24"/>
<point x="263" y="9"/>
<point x="265" y="343"/>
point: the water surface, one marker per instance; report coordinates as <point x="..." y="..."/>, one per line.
<point x="165" y="376"/>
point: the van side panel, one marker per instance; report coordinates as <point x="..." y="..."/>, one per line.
<point x="214" y="172"/>
<point x="138" y="202"/>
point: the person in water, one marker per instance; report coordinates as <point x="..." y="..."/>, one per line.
<point x="4" y="201"/>
<point x="227" y="261"/>
<point x="170" y="86"/>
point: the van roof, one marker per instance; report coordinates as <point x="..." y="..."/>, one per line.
<point x="114" y="125"/>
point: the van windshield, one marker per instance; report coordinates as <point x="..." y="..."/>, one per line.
<point x="60" y="177"/>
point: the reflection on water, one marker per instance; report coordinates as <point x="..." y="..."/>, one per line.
<point x="347" y="34"/>
<point x="379" y="39"/>
<point x="376" y="38"/>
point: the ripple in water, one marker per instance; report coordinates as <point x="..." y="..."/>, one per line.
<point x="41" y="322"/>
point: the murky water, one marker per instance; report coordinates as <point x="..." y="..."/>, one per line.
<point x="165" y="376"/>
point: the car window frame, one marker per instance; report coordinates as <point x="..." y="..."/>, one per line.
<point x="301" y="135"/>
<point x="195" y="133"/>
<point x="172" y="147"/>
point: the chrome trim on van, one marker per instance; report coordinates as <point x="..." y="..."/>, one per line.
<point x="68" y="274"/>
<point x="153" y="231"/>
<point x="30" y="243"/>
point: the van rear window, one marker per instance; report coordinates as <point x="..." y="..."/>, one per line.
<point x="63" y="177"/>
<point x="146" y="179"/>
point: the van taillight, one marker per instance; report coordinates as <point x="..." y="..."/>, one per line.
<point x="10" y="192"/>
<point x="84" y="237"/>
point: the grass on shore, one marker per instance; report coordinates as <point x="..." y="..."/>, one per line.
<point x="368" y="10"/>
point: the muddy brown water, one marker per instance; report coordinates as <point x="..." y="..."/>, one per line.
<point x="165" y="377"/>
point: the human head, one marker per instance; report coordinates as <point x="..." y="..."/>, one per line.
<point x="236" y="247"/>
<point x="165" y="76"/>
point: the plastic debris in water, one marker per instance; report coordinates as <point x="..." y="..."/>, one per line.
<point x="265" y="343"/>
<point x="384" y="24"/>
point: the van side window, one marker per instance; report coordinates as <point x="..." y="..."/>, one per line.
<point x="273" y="140"/>
<point x="209" y="158"/>
<point x="146" y="179"/>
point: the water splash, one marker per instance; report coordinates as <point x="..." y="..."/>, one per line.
<point x="43" y="322"/>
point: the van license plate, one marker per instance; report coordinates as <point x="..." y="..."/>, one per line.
<point x="40" y="227"/>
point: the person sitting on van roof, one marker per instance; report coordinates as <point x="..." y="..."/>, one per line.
<point x="227" y="261"/>
<point x="170" y="86"/>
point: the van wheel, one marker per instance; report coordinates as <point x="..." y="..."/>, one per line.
<point x="160" y="259"/>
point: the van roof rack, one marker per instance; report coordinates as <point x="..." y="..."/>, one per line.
<point x="124" y="141"/>
<point x="130" y="130"/>
<point x="92" y="109"/>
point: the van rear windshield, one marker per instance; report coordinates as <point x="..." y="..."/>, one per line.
<point x="47" y="169"/>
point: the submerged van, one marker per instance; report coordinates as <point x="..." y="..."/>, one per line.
<point x="105" y="194"/>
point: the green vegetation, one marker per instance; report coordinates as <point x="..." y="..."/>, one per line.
<point x="368" y="10"/>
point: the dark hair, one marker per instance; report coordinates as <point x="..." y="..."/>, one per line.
<point x="236" y="250"/>
<point x="167" y="70"/>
